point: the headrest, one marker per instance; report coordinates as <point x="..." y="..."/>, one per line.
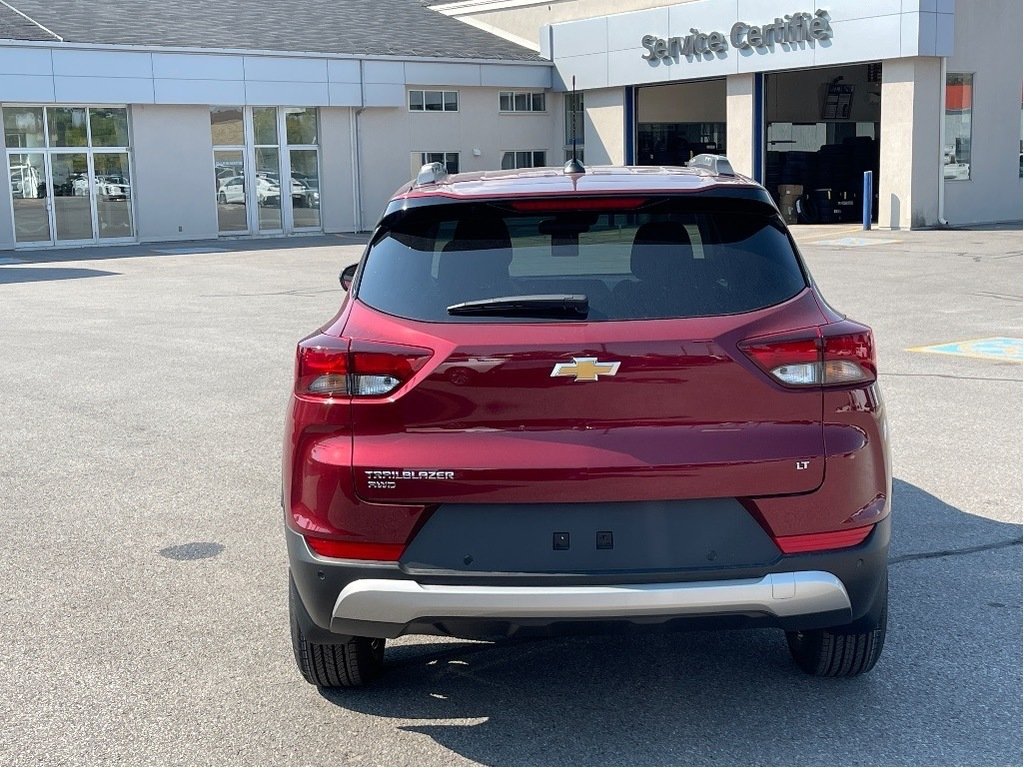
<point x="661" y="250"/>
<point x="479" y="253"/>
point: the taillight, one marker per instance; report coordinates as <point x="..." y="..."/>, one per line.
<point x="327" y="366"/>
<point x="832" y="356"/>
<point x="354" y="550"/>
<point x="820" y="542"/>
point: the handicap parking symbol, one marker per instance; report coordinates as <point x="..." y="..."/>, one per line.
<point x="994" y="348"/>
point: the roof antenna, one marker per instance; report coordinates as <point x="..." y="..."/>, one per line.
<point x="574" y="165"/>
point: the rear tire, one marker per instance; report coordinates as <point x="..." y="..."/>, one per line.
<point x="840" y="651"/>
<point x="349" y="663"/>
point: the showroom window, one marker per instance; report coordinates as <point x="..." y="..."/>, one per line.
<point x="535" y="158"/>
<point x="959" y="107"/>
<point x="267" y="167"/>
<point x="434" y="101"/>
<point x="450" y="160"/>
<point x="70" y="173"/>
<point x="514" y="101"/>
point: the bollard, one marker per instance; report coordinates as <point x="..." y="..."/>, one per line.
<point x="869" y="194"/>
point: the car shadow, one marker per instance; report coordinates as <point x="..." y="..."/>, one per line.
<point x="709" y="698"/>
<point x="11" y="275"/>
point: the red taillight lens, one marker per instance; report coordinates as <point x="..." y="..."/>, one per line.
<point x="819" y="542"/>
<point x="836" y="357"/>
<point x="354" y="550"/>
<point x="331" y="367"/>
<point x="795" y="362"/>
<point x="321" y="366"/>
<point x="379" y="369"/>
<point x="849" y="358"/>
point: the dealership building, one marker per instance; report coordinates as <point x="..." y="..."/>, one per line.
<point x="154" y="122"/>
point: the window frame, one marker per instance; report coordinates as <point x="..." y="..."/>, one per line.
<point x="515" y="155"/>
<point x="48" y="150"/>
<point x="966" y="78"/>
<point x="530" y="97"/>
<point x="446" y="155"/>
<point x="423" y="95"/>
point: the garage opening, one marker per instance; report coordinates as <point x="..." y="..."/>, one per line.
<point x="677" y="121"/>
<point x="822" y="128"/>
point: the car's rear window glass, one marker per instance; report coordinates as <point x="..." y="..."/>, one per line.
<point x="665" y="259"/>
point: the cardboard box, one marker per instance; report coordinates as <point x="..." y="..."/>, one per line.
<point x="788" y="195"/>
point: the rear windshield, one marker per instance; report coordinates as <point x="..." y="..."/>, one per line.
<point x="668" y="258"/>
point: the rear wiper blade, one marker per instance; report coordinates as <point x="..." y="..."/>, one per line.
<point x="573" y="306"/>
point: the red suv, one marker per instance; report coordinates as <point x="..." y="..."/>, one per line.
<point x="610" y="398"/>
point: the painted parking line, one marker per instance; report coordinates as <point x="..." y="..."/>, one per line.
<point x="855" y="242"/>
<point x="189" y="250"/>
<point x="993" y="348"/>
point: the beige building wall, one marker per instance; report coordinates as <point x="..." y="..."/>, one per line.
<point x="337" y="179"/>
<point x="739" y="128"/>
<point x="6" y="211"/>
<point x="908" y="184"/>
<point x="173" y="175"/>
<point x="992" y="53"/>
<point x="390" y="140"/>
<point x="604" y="126"/>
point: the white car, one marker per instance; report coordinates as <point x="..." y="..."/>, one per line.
<point x="231" y="190"/>
<point x="113" y="187"/>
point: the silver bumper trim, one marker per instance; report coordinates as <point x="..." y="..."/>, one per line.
<point x="401" y="601"/>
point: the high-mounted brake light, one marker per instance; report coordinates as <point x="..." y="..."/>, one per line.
<point x="558" y="204"/>
<point x="832" y="356"/>
<point x="327" y="367"/>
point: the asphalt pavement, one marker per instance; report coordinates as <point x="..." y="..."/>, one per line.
<point x="144" y="571"/>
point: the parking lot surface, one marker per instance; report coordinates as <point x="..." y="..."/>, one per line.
<point x="144" y="601"/>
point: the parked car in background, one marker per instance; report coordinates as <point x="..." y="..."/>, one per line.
<point x="113" y="187"/>
<point x="231" y="189"/>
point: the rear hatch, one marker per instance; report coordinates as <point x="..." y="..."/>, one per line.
<point x="637" y="392"/>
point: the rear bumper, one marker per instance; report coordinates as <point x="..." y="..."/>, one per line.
<point x="804" y="591"/>
<point x="404" y="602"/>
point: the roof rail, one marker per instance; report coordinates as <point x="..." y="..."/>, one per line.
<point x="717" y="164"/>
<point x="431" y="173"/>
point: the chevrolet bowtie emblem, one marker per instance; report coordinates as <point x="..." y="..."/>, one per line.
<point x="585" y="369"/>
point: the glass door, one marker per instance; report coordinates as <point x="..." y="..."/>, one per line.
<point x="70" y="174"/>
<point x="71" y="192"/>
<point x="267" y="169"/>
<point x="232" y="216"/>
<point x="28" y="193"/>
<point x="266" y="160"/>
<point x="113" y="194"/>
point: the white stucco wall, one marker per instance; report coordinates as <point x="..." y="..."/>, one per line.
<point x="992" y="52"/>
<point x="6" y="212"/>
<point x="173" y="173"/>
<point x="740" y="134"/>
<point x="908" y="184"/>
<point x="604" y="126"/>
<point x="388" y="137"/>
<point x="337" y="174"/>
